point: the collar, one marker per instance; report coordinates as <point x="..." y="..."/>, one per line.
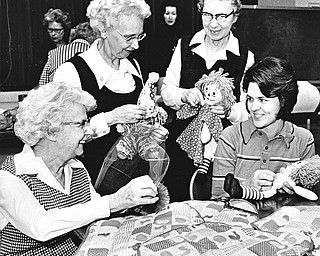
<point x="247" y="129"/>
<point x="81" y="41"/>
<point x="102" y="71"/>
<point x="198" y="46"/>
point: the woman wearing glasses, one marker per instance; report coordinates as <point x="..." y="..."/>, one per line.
<point x="57" y="25"/>
<point x="108" y="72"/>
<point x="209" y="49"/>
<point x="45" y="193"/>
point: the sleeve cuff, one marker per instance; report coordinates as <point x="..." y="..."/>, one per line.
<point x="99" y="125"/>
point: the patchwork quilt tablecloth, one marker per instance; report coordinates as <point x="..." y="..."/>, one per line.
<point x="207" y="228"/>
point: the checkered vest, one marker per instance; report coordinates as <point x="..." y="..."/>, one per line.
<point x="14" y="242"/>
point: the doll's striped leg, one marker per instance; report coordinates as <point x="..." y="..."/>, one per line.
<point x="204" y="166"/>
<point x="236" y="190"/>
<point x="251" y="193"/>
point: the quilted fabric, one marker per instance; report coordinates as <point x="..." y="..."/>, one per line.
<point x="192" y="228"/>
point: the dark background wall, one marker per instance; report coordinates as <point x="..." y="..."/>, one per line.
<point x="291" y="34"/>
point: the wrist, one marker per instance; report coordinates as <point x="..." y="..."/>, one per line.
<point x="114" y="203"/>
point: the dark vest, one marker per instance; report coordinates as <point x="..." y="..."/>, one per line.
<point x="14" y="242"/>
<point x="193" y="67"/>
<point x="107" y="100"/>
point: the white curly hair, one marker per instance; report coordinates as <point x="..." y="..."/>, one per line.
<point x="100" y="11"/>
<point x="42" y="111"/>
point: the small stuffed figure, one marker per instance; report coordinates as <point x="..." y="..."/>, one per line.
<point x="199" y="139"/>
<point x="136" y="137"/>
<point x="302" y="176"/>
<point x="136" y="153"/>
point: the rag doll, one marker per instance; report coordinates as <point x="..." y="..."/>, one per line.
<point x="199" y="139"/>
<point x="301" y="175"/>
<point x="136" y="153"/>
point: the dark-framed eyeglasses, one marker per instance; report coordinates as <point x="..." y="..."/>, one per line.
<point x="55" y="30"/>
<point x="220" y="17"/>
<point x="130" y="39"/>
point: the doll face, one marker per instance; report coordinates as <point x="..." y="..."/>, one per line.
<point x="212" y="95"/>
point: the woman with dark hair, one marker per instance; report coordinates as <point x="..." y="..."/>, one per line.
<point x="255" y="150"/>
<point x="161" y="44"/>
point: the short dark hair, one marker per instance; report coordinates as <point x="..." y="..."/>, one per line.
<point x="172" y="3"/>
<point x="275" y="78"/>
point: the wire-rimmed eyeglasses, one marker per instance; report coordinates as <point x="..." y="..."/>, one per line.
<point x="85" y="125"/>
<point x="220" y="17"/>
<point x="130" y="39"/>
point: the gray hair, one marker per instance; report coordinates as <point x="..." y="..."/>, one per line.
<point x="235" y="3"/>
<point x="83" y="31"/>
<point x="100" y="11"/>
<point x="44" y="108"/>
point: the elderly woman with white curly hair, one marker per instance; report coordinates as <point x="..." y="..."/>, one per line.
<point x="110" y="74"/>
<point x="45" y="193"/>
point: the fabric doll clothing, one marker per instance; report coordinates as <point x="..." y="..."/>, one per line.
<point x="181" y="167"/>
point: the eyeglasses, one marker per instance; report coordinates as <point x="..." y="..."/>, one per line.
<point x="220" y="17"/>
<point x="81" y="124"/>
<point x="84" y="124"/>
<point x="55" y="30"/>
<point x="130" y="39"/>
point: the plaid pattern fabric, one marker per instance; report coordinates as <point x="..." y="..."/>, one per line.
<point x="14" y="242"/>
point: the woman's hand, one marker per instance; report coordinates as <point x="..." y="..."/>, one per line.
<point x="139" y="191"/>
<point x="129" y="113"/>
<point x="261" y="179"/>
<point x="193" y="97"/>
<point x="159" y="134"/>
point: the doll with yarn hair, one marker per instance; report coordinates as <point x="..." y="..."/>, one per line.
<point x="199" y="139"/>
<point x="301" y="175"/>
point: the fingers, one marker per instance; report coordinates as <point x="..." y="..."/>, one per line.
<point x="263" y="179"/>
<point x="160" y="134"/>
<point x="193" y="97"/>
<point x="130" y="113"/>
<point x="138" y="191"/>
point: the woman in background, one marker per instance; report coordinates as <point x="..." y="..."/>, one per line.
<point x="57" y="26"/>
<point x="81" y="37"/>
<point x="160" y="45"/>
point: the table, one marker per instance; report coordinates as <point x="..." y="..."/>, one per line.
<point x="282" y="225"/>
